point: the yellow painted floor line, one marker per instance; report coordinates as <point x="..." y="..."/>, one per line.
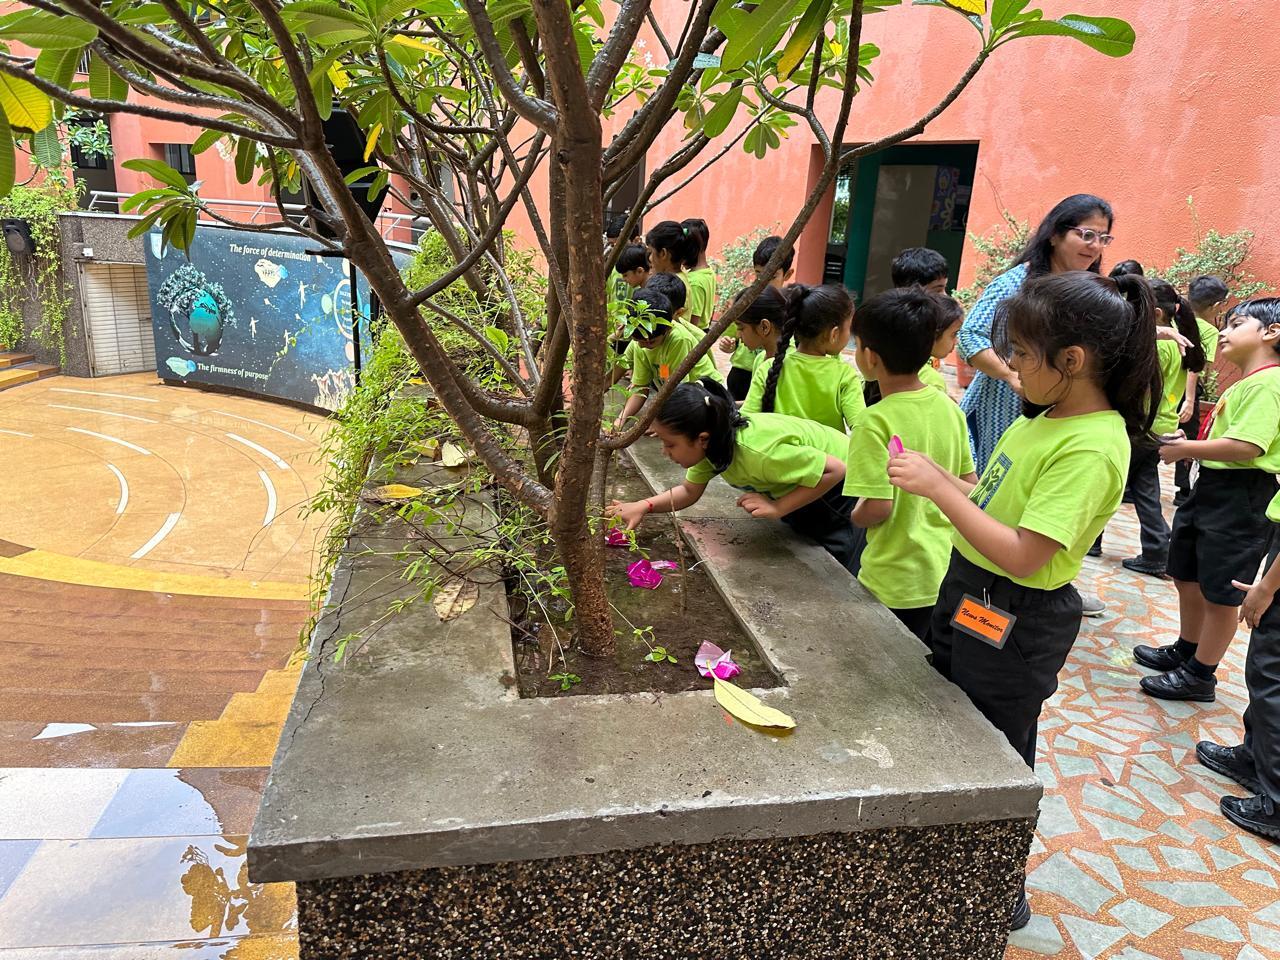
<point x="44" y="565"/>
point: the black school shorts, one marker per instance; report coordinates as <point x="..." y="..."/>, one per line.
<point x="1221" y="532"/>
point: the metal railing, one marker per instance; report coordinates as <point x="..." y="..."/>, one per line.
<point x="395" y="227"/>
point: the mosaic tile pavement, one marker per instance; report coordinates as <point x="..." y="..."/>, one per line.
<point x="1132" y="858"/>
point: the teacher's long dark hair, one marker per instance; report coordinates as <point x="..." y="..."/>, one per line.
<point x="1115" y="320"/>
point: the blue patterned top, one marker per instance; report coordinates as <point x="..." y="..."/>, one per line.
<point x="989" y="405"/>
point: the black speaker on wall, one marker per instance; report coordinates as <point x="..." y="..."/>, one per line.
<point x="346" y="143"/>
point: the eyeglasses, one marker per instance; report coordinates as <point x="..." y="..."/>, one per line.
<point x="1091" y="237"/>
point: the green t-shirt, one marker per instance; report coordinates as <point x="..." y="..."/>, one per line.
<point x="773" y="454"/>
<point x="743" y="357"/>
<point x="1060" y="477"/>
<point x="615" y="287"/>
<point x="651" y="366"/>
<point x="907" y="554"/>
<point x="1273" y="509"/>
<point x="700" y="294"/>
<point x="825" y="389"/>
<point x="1249" y="410"/>
<point x="1173" y="377"/>
<point x="931" y="376"/>
<point x="1208" y="339"/>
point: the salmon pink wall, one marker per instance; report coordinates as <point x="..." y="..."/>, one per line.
<point x="1192" y="111"/>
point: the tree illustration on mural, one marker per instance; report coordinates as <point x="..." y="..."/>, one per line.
<point x="462" y="107"/>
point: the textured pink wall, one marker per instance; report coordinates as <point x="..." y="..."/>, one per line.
<point x="1192" y="111"/>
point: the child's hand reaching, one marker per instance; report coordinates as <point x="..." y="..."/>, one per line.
<point x="728" y="344"/>
<point x="916" y="473"/>
<point x="630" y="513"/>
<point x="1257" y="601"/>
<point x="1186" y="410"/>
<point x="1171" y="451"/>
<point x="759" y="506"/>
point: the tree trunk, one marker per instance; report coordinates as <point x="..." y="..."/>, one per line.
<point x="576" y="159"/>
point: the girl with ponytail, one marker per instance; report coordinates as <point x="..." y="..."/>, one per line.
<point x="788" y="469"/>
<point x="811" y="381"/>
<point x="1084" y="349"/>
<point x="698" y="275"/>
<point x="1144" y="461"/>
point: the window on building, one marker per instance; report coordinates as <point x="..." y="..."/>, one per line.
<point x="180" y="157"/>
<point x="81" y="158"/>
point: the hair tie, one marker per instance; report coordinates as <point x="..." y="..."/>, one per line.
<point x="684" y="231"/>
<point x="706" y="398"/>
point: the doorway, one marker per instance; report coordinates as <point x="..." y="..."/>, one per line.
<point x="906" y="196"/>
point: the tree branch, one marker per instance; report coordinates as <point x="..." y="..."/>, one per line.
<point x="537" y="111"/>
<point x="609" y="60"/>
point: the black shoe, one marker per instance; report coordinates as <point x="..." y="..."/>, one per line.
<point x="1180" y="684"/>
<point x="1021" y="912"/>
<point x="1233" y="762"/>
<point x="1095" y="550"/>
<point x="1152" y="568"/>
<point x="1158" y="658"/>
<point x="1255" y="814"/>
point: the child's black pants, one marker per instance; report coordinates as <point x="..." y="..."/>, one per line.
<point x="826" y="522"/>
<point x="1010" y="685"/>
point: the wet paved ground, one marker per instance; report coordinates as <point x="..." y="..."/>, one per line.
<point x="142" y="697"/>
<point x="153" y="580"/>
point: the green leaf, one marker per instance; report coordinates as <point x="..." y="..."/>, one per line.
<point x="325" y="21"/>
<point x="48" y="31"/>
<point x="750" y="35"/>
<point x="1107" y="35"/>
<point x="8" y="162"/>
<point x="206" y="140"/>
<point x="59" y="66"/>
<point x="498" y="337"/>
<point x="1006" y="12"/>
<point x="721" y="115"/>
<point x="158" y="170"/>
<point x="803" y="37"/>
<point x="246" y="159"/>
<point x="755" y="143"/>
<point x="151" y="14"/>
<point x="23" y="104"/>
<point x="47" y="148"/>
<point x="144" y="198"/>
<point x="145" y="224"/>
<point x="104" y="84"/>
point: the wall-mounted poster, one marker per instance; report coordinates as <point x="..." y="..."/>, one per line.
<point x="257" y="312"/>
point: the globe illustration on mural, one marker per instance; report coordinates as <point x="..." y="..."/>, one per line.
<point x="199" y="311"/>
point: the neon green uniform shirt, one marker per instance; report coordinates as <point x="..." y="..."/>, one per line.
<point x="1249" y="410"/>
<point x="907" y="554"/>
<point x="825" y="389"/>
<point x="773" y="454"/>
<point x="1060" y="477"/>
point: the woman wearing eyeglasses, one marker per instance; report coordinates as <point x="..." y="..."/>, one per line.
<point x="1071" y="237"/>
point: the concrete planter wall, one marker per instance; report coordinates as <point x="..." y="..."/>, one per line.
<point x="425" y="811"/>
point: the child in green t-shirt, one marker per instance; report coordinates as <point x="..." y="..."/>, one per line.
<point x="789" y="469"/>
<point x="698" y="275"/>
<point x="908" y="537"/>
<point x="744" y="355"/>
<point x="1220" y="533"/>
<point x="1144" y="461"/>
<point x="759" y="328"/>
<point x="812" y="381"/>
<point x="1007" y="614"/>
<point x="1208" y="297"/>
<point x="659" y="347"/>
<point x="950" y="318"/>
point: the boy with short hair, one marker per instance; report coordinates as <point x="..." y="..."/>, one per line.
<point x="1207" y="296"/>
<point x="920" y="266"/>
<point x="659" y="344"/>
<point x="908" y="537"/>
<point x="633" y="266"/>
<point x="742" y="360"/>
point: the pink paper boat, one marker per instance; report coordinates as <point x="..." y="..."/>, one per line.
<point x="896" y="448"/>
<point x="616" y="537"/>
<point x="714" y="663"/>
<point x="641" y="574"/>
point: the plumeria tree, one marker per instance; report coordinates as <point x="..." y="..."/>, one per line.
<point x="462" y="106"/>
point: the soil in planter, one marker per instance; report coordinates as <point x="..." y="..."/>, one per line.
<point x="684" y="611"/>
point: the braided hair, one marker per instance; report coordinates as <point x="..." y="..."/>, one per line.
<point x="705" y="406"/>
<point x="811" y="312"/>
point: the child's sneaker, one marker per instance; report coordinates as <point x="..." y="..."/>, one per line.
<point x="1255" y="814"/>
<point x="1233" y="762"/>
<point x="1181" y="684"/>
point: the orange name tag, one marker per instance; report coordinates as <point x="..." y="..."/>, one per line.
<point x="664" y="371"/>
<point x="989" y="624"/>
